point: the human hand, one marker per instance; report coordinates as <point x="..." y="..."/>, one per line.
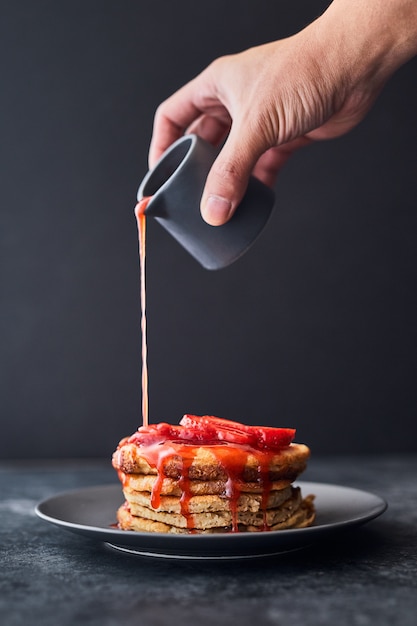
<point x="270" y="100"/>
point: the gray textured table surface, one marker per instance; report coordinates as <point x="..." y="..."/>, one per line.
<point x="51" y="577"/>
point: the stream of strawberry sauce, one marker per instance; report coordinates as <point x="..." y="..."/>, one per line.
<point x="158" y="453"/>
<point x="141" y="220"/>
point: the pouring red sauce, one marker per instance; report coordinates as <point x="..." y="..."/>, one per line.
<point x="231" y="443"/>
<point x="141" y="220"/>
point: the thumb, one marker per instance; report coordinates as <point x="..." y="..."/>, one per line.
<point x="229" y="176"/>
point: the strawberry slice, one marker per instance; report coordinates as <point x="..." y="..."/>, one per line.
<point x="148" y="435"/>
<point x="224" y="430"/>
<point x="158" y="433"/>
<point x="261" y="437"/>
<point x="274" y="438"/>
<point x="207" y="429"/>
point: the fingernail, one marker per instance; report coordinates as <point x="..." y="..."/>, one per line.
<point x="216" y="210"/>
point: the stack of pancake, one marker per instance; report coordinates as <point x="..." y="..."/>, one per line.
<point x="173" y="486"/>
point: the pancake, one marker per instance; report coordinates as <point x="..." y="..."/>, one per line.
<point x="302" y="517"/>
<point x="209" y="503"/>
<point x="286" y="464"/>
<point x="171" y="486"/>
<point x="211" y="475"/>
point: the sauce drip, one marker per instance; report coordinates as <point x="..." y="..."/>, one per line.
<point x="141" y="220"/>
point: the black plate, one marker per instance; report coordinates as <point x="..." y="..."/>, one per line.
<point x="92" y="511"/>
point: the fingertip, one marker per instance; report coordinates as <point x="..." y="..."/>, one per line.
<point x="216" y="210"/>
<point x="155" y="149"/>
<point x="228" y="178"/>
<point x="165" y="133"/>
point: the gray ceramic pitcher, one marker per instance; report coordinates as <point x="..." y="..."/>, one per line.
<point x="176" y="185"/>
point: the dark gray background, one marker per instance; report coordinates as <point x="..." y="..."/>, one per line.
<point x="314" y="328"/>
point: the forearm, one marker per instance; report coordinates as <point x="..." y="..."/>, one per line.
<point x="378" y="34"/>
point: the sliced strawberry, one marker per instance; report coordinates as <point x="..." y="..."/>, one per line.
<point x="274" y="438"/>
<point x="266" y="436"/>
<point x="203" y="435"/>
<point x="207" y="429"/>
<point x="157" y="433"/>
<point x="145" y="438"/>
<point x="262" y="437"/>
